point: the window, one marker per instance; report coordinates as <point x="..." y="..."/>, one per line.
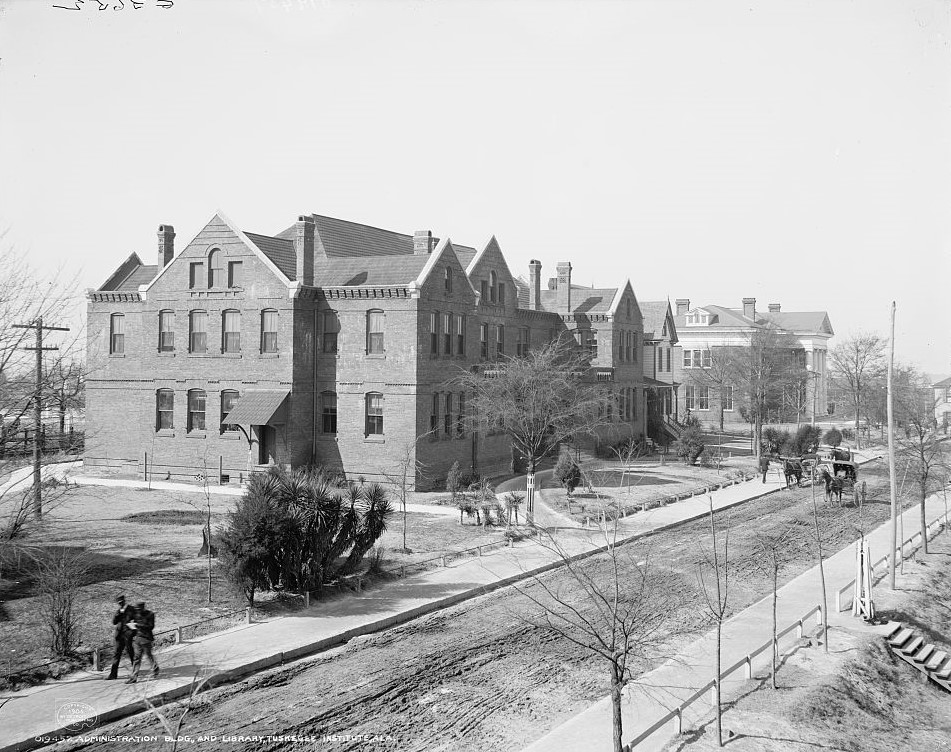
<point x="460" y="335"/>
<point x="374" y="332"/>
<point x="448" y="279"/>
<point x="328" y="412"/>
<point x="521" y="343"/>
<point x="461" y="415"/>
<point x="634" y="347"/>
<point x="231" y="332"/>
<point x="668" y="360"/>
<point x="216" y="269"/>
<point x="330" y="327"/>
<point x="166" y="331"/>
<point x="234" y="274"/>
<point x="117" y="334"/>
<point x="196" y="410"/>
<point x="269" y="331"/>
<point x="484" y="340"/>
<point x="500" y="339"/>
<point x="434" y="415"/>
<point x="447" y="416"/>
<point x="727" y="398"/>
<point x="434" y="333"/>
<point x="484" y="289"/>
<point x="196" y="270"/>
<point x="703" y="398"/>
<point x="198" y="332"/>
<point x="697" y="359"/>
<point x="501" y="293"/>
<point x="164" y="410"/>
<point x="689" y="399"/>
<point x="447" y="334"/>
<point x="621" y="397"/>
<point x="374" y="414"/>
<point x="634" y="403"/>
<point x="591" y="343"/>
<point x="493" y="285"/>
<point x="229" y="398"/>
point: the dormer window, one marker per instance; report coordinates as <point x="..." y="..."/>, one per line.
<point x="698" y="318"/>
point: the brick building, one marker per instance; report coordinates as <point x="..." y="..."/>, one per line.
<point x="332" y="343"/>
<point x="703" y="329"/>
<point x="662" y="360"/>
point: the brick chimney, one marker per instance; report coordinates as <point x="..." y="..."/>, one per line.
<point x="304" y="249"/>
<point x="423" y="242"/>
<point x="749" y="308"/>
<point x="774" y="307"/>
<point x="535" y="285"/>
<point x="683" y="305"/>
<point x="564" y="286"/>
<point x="166" y="245"/>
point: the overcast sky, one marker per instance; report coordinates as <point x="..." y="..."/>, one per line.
<point x="796" y="152"/>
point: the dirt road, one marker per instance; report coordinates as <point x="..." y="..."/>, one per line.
<point x="477" y="676"/>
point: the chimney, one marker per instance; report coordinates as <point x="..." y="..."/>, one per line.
<point x="304" y="249"/>
<point x="683" y="305"/>
<point x="564" y="287"/>
<point x="535" y="285"/>
<point x="423" y="242"/>
<point x="749" y="308"/>
<point x="166" y="245"/>
<point x="774" y="308"/>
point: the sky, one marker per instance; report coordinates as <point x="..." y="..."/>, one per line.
<point x="796" y="152"/>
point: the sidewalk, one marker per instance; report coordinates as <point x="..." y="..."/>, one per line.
<point x="48" y="710"/>
<point x="663" y="689"/>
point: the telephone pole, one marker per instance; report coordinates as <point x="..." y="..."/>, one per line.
<point x="893" y="492"/>
<point x="38" y="407"/>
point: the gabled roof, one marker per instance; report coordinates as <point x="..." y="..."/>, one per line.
<point x="465" y="254"/>
<point x="584" y="300"/>
<point x="338" y="238"/>
<point x="130" y="274"/>
<point x="279" y="250"/>
<point x="522" y="293"/>
<point x="944" y="383"/>
<point x="809" y="321"/>
<point x="792" y="321"/>
<point x="654" y="314"/>
<point x="337" y="272"/>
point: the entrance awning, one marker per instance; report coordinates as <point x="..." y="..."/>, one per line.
<point x="259" y="407"/>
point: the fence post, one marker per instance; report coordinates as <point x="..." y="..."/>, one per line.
<point x="838" y="601"/>
<point x="307" y="599"/>
<point x="749" y="667"/>
<point x="442" y="560"/>
<point x="479" y="549"/>
<point x="402" y="571"/>
<point x="178" y="635"/>
<point x="679" y="721"/>
<point x="247" y="615"/>
<point x="799" y="630"/>
<point x="713" y="694"/>
<point x="96" y="660"/>
<point x="145" y="467"/>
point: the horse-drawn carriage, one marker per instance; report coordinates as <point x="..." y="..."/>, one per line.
<point x="834" y="466"/>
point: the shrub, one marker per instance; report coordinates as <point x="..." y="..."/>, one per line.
<point x="567" y="472"/>
<point x="454" y="480"/>
<point x="513" y="500"/>
<point x="690" y="446"/>
<point x="773" y="440"/>
<point x="59" y="579"/>
<point x="804" y="441"/>
<point x="833" y="437"/>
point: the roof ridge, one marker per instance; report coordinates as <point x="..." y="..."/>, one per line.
<point x="362" y="224"/>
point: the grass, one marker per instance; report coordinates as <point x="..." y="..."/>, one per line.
<point x="167" y="517"/>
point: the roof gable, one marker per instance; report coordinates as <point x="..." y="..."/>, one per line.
<point x="130" y="274"/>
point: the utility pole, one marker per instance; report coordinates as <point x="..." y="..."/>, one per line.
<point x="891" y="454"/>
<point x="38" y="408"/>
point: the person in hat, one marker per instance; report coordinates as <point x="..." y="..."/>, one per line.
<point x="142" y="624"/>
<point x="122" y="639"/>
<point x="764" y="466"/>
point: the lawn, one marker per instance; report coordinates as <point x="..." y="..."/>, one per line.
<point x="145" y="544"/>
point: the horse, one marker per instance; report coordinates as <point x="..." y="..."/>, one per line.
<point x="834" y="487"/>
<point x="792" y="469"/>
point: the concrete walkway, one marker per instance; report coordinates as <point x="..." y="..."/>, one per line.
<point x="85" y="700"/>
<point x="657" y="693"/>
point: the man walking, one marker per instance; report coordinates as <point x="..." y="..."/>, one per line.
<point x="142" y="624"/>
<point x="122" y="641"/>
<point x="764" y="466"/>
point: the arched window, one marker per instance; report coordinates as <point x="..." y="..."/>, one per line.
<point x="493" y="284"/>
<point x="196" y="410"/>
<point x="231" y="332"/>
<point x="166" y="329"/>
<point x="448" y="279"/>
<point x="216" y="269"/>
<point x="229" y="398"/>
<point x="328" y="412"/>
<point x="198" y="331"/>
<point x="117" y="334"/>
<point x="375" y="323"/>
<point x="269" y="331"/>
<point x="374" y="414"/>
<point x="164" y="410"/>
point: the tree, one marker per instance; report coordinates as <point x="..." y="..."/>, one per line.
<point x="614" y="607"/>
<point x="405" y="474"/>
<point x="566" y="471"/>
<point x="925" y="452"/>
<point x="772" y="552"/>
<point x="539" y="400"/>
<point x="858" y="364"/>
<point x="833" y="437"/>
<point x="60" y="576"/>
<point x="249" y="542"/>
<point x="715" y="564"/>
<point x="454" y="480"/>
<point x="690" y="445"/>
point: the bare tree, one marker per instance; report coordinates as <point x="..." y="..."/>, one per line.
<point x="60" y="575"/>
<point x="713" y="577"/>
<point x="404" y="475"/>
<point x="172" y="716"/>
<point x="615" y="607"/>
<point x="858" y="364"/>
<point x="539" y="401"/>
<point x="925" y="452"/>
<point x="772" y="551"/>
<point x="817" y="537"/>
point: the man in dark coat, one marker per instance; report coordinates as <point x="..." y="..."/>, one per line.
<point x="764" y="466"/>
<point x="122" y="640"/>
<point x="142" y="624"/>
